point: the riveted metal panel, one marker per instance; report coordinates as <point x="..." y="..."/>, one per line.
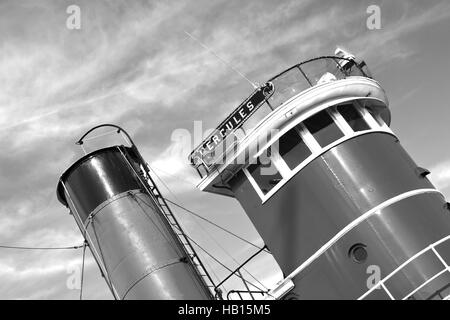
<point x="391" y="236"/>
<point x="136" y="243"/>
<point x="328" y="194"/>
<point x="130" y="237"/>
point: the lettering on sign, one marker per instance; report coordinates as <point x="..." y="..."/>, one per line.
<point x="234" y="121"/>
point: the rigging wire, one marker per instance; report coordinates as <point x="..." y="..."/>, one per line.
<point x="152" y="171"/>
<point x="216" y="225"/>
<point x="199" y="216"/>
<point x="221" y="59"/>
<point x="222" y="264"/>
<point x="209" y="254"/>
<point x="106" y="273"/>
<point x="41" y="248"/>
<point x="205" y="231"/>
<point x="238" y="264"/>
<point x="82" y="270"/>
<point x="163" y="183"/>
<point x="173" y="176"/>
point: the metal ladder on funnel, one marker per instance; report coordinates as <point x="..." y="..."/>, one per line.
<point x="192" y="254"/>
<point x="159" y="199"/>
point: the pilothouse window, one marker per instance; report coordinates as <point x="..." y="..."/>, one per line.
<point x="353" y="117"/>
<point x="292" y="148"/>
<point x="306" y="141"/>
<point x="323" y="128"/>
<point x="265" y="174"/>
<point x="377" y="117"/>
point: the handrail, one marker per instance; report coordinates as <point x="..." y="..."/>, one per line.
<point x="239" y="292"/>
<point x="414" y="257"/>
<point x="343" y="70"/>
<point x="241" y="266"/>
<point x="359" y="66"/>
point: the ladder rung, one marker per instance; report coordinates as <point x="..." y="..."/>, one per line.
<point x="182" y="237"/>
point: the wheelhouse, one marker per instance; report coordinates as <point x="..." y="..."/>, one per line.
<point x="288" y="122"/>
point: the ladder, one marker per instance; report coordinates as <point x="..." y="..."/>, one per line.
<point x="182" y="237"/>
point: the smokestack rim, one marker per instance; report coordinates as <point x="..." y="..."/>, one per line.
<point x="60" y="192"/>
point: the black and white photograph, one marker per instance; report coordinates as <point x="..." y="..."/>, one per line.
<point x="198" y="150"/>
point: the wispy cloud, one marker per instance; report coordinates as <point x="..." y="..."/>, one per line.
<point x="132" y="64"/>
<point x="440" y="175"/>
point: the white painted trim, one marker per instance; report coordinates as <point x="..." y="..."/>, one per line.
<point x="299" y="123"/>
<point x="312" y="157"/>
<point x="302" y="106"/>
<point x="352" y="225"/>
<point x="368" y="117"/>
<point x="340" y="121"/>
<point x="425" y="283"/>
<point x="253" y="183"/>
<point x="279" y="162"/>
<point x="387" y="291"/>
<point x="406" y="262"/>
<point x="280" y="291"/>
<point x="315" y="148"/>
<point x="373" y="119"/>
<point x="440" y="257"/>
<point x="309" y="139"/>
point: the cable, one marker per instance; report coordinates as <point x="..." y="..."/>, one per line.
<point x="106" y="273"/>
<point x="219" y="262"/>
<point x="200" y="226"/>
<point x="173" y="176"/>
<point x="222" y="60"/>
<point x="216" y="225"/>
<point x="234" y="260"/>
<point x="215" y="259"/>
<point x="209" y="254"/>
<point x="163" y="183"/>
<point x="195" y="221"/>
<point x="41" y="248"/>
<point x="82" y="270"/>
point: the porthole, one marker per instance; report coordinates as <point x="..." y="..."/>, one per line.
<point x="358" y="253"/>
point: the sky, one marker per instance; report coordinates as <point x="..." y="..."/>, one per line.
<point x="131" y="63"/>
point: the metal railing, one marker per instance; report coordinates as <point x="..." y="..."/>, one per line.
<point x="382" y="283"/>
<point x="287" y="84"/>
<point x="246" y="295"/>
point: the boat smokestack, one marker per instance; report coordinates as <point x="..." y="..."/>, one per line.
<point x="141" y="251"/>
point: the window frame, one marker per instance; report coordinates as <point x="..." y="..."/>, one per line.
<point x="313" y="145"/>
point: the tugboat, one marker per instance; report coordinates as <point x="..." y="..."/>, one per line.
<point x="344" y="210"/>
<point x="310" y="156"/>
